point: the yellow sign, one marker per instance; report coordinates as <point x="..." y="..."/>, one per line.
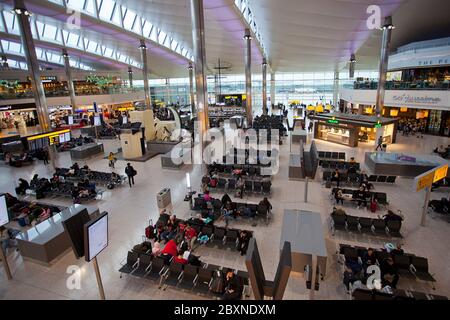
<point x="49" y="135"/>
<point x="403" y="109"/>
<point x="328" y="107"/>
<point x="310" y="108"/>
<point x="319" y="108"/>
<point x="425" y="181"/>
<point x="440" y="173"/>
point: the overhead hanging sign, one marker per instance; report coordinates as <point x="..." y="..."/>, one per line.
<point x="428" y="178"/>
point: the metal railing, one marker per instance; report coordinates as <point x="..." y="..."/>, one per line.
<point x="403" y="85"/>
<point x="65" y="93"/>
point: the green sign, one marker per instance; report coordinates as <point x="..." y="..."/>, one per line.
<point x="378" y="125"/>
<point x="333" y="121"/>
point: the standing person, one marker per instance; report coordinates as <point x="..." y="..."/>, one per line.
<point x="310" y="126"/>
<point x="380" y="143"/>
<point x="111" y="160"/>
<point x="45" y="156"/>
<point x="130" y="172"/>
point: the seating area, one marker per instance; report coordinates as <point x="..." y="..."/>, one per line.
<point x="253" y="184"/>
<point x="407" y="265"/>
<point x="370" y="295"/>
<point x="245" y="169"/>
<point x="240" y="209"/>
<point x="382" y="179"/>
<point x="363" y="225"/>
<point x="103" y="178"/>
<point x="195" y="278"/>
<point x="349" y="195"/>
<point x="331" y="155"/>
<point x="341" y="165"/>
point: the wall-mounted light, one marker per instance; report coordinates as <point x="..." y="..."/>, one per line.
<point x="247" y="37"/>
<point x="190" y="67"/>
<point x="20" y="11"/>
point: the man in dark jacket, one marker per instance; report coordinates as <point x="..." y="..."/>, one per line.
<point x="130" y="172"/>
<point x="233" y="290"/>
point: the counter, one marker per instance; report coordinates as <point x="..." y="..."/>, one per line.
<point x="47" y="240"/>
<point x="86" y="151"/>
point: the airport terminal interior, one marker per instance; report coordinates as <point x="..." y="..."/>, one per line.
<point x="224" y="150"/>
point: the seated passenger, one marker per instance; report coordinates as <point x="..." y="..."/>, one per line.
<point x="369" y="258"/>
<point x="23" y="186"/>
<point x="391" y="216"/>
<point x="338" y="196"/>
<point x="179" y="258"/>
<point x="360" y="195"/>
<point x="389" y="273"/>
<point x="233" y="288"/>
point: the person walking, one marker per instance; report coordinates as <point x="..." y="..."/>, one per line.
<point x="380" y="143"/>
<point x="112" y="160"/>
<point x="45" y="156"/>
<point x="130" y="172"/>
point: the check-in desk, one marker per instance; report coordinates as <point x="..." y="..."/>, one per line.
<point x="48" y="240"/>
<point x="86" y="151"/>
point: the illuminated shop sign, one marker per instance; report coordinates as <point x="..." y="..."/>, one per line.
<point x="333" y="121"/>
<point x="410" y="99"/>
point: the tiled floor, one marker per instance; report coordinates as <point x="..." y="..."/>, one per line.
<point x="130" y="210"/>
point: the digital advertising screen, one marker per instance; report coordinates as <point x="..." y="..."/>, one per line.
<point x="62" y="138"/>
<point x="95" y="236"/>
<point x="4" y="218"/>
<point x="67" y="136"/>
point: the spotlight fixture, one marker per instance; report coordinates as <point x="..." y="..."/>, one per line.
<point x="190" y="67"/>
<point x="143" y="46"/>
<point x="20" y="11"/>
<point x="247" y="37"/>
<point x="264" y="63"/>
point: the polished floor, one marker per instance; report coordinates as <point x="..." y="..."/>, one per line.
<point x="131" y="209"/>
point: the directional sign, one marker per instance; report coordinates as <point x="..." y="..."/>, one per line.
<point x="440" y="173"/>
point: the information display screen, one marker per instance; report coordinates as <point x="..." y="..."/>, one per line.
<point x="95" y="236"/>
<point x="4" y="218"/>
<point x="62" y="138"/>
<point x="124" y="120"/>
<point x="67" y="136"/>
<point x="70" y="120"/>
<point x="97" y="121"/>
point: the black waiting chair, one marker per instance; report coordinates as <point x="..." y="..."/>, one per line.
<point x="379" y="226"/>
<point x="231" y="237"/>
<point x="362" y="294"/>
<point x="338" y="222"/>
<point x="203" y="279"/>
<point x="157" y="268"/>
<point x="381" y="179"/>
<point x="144" y="265"/>
<point x="403" y="264"/>
<point x="266" y="187"/>
<point x="219" y="235"/>
<point x="131" y="263"/>
<point x="207" y="230"/>
<point x="391" y="179"/>
<point x="231" y="184"/>
<point x="173" y="274"/>
<point x="352" y="223"/>
<point x="393" y="228"/>
<point x="257" y="186"/>
<point x="351" y="254"/>
<point x="372" y="178"/>
<point x="420" y="269"/>
<point x="248" y="186"/>
<point x="365" y="224"/>
<point x="221" y="183"/>
<point x="190" y="273"/>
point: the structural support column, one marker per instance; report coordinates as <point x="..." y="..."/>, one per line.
<point x="167" y="92"/>
<point x="264" y="86"/>
<point x="198" y="40"/>
<point x="272" y="88"/>
<point x="5" y="62"/>
<point x="248" y="75"/>
<point x="384" y="57"/>
<point x="69" y="80"/>
<point x="130" y="76"/>
<point x="23" y="18"/>
<point x="143" y="48"/>
<point x="351" y="69"/>
<point x="191" y="89"/>
<point x="336" y="89"/>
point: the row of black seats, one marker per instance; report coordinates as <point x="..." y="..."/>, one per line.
<point x="345" y="165"/>
<point x="366" y="294"/>
<point x="331" y="155"/>
<point x="255" y="209"/>
<point x="256" y="186"/>
<point x="381" y="178"/>
<point x="176" y="274"/>
<point x="408" y="265"/>
<point x="350" y="223"/>
<point x="380" y="196"/>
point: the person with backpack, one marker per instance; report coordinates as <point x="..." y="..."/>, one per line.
<point x="112" y="160"/>
<point x="131" y="173"/>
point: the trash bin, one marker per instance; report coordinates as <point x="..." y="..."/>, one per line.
<point x="163" y="198"/>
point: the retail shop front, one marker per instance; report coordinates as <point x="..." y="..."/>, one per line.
<point x="23" y="114"/>
<point x="349" y="129"/>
